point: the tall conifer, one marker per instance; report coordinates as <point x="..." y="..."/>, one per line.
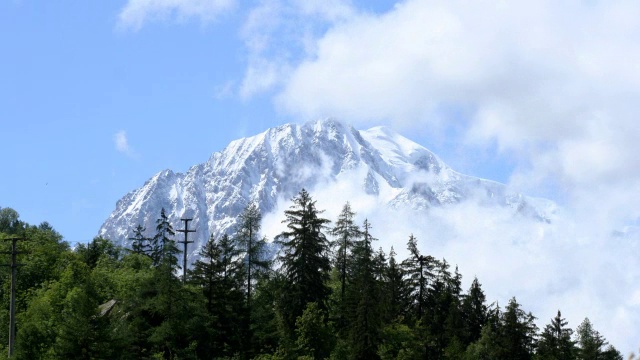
<point x="305" y="260"/>
<point x="346" y="233"/>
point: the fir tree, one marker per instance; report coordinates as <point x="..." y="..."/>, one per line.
<point x="346" y="232"/>
<point x="517" y="333"/>
<point x="591" y="345"/>
<point x="139" y="243"/>
<point x="208" y="272"/>
<point x="163" y="248"/>
<point x="252" y="246"/>
<point x="396" y="290"/>
<point x="223" y="296"/>
<point x="555" y="341"/>
<point x="364" y="294"/>
<point x="419" y="271"/>
<point x="474" y="312"/>
<point x="304" y="258"/>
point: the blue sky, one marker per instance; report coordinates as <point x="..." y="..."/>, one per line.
<point x="95" y="98"/>
<point x="74" y="76"/>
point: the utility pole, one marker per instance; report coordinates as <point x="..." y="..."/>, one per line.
<point x="186" y="232"/>
<point x="12" y="304"/>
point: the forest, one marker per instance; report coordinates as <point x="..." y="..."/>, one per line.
<point x="327" y="294"/>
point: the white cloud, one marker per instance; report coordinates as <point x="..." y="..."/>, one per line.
<point x="137" y="12"/>
<point x="276" y="32"/>
<point x="580" y="268"/>
<point x="122" y="144"/>
<point x="552" y="83"/>
<point x="553" y="86"/>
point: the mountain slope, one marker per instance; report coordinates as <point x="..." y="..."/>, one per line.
<point x="277" y="163"/>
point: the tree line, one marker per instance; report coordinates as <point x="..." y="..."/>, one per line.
<point x="328" y="294"/>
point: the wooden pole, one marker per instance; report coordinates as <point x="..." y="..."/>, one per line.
<point x="12" y="304"/>
<point x="186" y="241"/>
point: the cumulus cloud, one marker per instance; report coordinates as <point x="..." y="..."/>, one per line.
<point x="276" y="32"/>
<point x="122" y="144"/>
<point x="137" y="12"/>
<point x="551" y="83"/>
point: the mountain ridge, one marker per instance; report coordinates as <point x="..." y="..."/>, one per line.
<point x="278" y="162"/>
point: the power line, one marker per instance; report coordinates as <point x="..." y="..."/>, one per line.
<point x="186" y="232"/>
<point x="12" y="304"/>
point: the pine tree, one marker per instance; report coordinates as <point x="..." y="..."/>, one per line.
<point x="396" y="290"/>
<point x="313" y="335"/>
<point x="517" y="333"/>
<point x="346" y="232"/>
<point x="591" y="345"/>
<point x="223" y="297"/>
<point x="474" y="312"/>
<point x="304" y="259"/>
<point x="253" y="247"/>
<point x="364" y="293"/>
<point x="420" y="272"/>
<point x="163" y="248"/>
<point x="380" y="266"/>
<point x="208" y="272"/>
<point x="555" y="341"/>
<point x="139" y="243"/>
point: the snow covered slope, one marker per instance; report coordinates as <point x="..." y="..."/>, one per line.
<point x="277" y="163"/>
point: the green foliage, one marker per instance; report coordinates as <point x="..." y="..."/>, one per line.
<point x="591" y="345"/>
<point x="98" y="248"/>
<point x="345" y="232"/>
<point x="420" y="272"/>
<point x="163" y="248"/>
<point x="305" y="261"/>
<point x="10" y="223"/>
<point x="64" y="321"/>
<point x="363" y="296"/>
<point x="395" y="291"/>
<point x="555" y="341"/>
<point x="399" y="341"/>
<point x="98" y="302"/>
<point x="253" y="247"/>
<point x="474" y="312"/>
<point x="314" y="336"/>
<point x="217" y="276"/>
<point x="140" y="244"/>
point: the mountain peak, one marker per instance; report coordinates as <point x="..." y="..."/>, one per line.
<point x="277" y="163"/>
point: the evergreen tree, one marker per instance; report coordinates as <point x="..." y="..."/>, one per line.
<point x="208" y="272"/>
<point x="253" y="247"/>
<point x="380" y="266"/>
<point x="304" y="258"/>
<point x="474" y="312"/>
<point x="313" y="335"/>
<point x="97" y="249"/>
<point x="140" y="243"/>
<point x="555" y="341"/>
<point x="164" y="249"/>
<point x="516" y="333"/>
<point x="217" y="273"/>
<point x="396" y="290"/>
<point x="442" y="324"/>
<point x="364" y="293"/>
<point x="591" y="345"/>
<point x="346" y="232"/>
<point x="420" y="272"/>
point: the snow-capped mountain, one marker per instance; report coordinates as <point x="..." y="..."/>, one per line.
<point x="277" y="163"/>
